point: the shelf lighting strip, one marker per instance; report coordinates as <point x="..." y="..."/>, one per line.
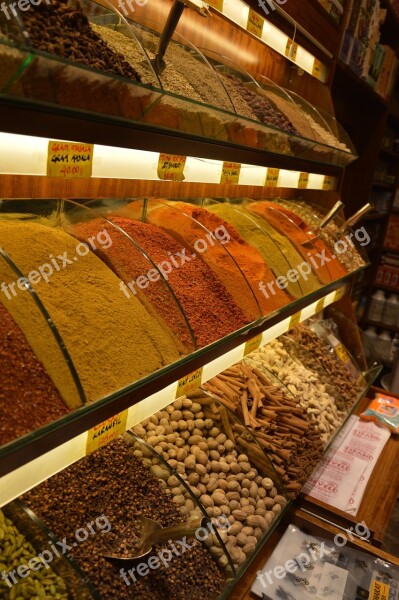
<point x="29" y="155"/>
<point x="31" y="474"/>
<point x="255" y="23"/>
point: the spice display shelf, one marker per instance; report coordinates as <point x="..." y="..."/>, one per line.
<point x="37" y="456"/>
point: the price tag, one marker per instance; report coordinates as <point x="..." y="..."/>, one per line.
<point x="230" y="173"/>
<point x="320" y="305"/>
<point x="379" y="590"/>
<point x="69" y="160"/>
<point x="218" y="4"/>
<point x="317" y="69"/>
<point x="303" y="181"/>
<point x="253" y="344"/>
<point x="341" y="352"/>
<point x="272" y="178"/>
<point x="339" y="294"/>
<point x="189" y="382"/>
<point x="255" y="23"/>
<point x="291" y="49"/>
<point x="295" y="320"/>
<point x="105" y="432"/>
<point x="171" y="167"/>
<point x="329" y="183"/>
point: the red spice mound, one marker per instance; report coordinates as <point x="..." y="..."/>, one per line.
<point x="28" y="397"/>
<point x="247" y="258"/>
<point x="286" y="222"/>
<point x="209" y="308"/>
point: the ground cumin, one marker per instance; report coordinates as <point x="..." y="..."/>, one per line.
<point x="248" y="258"/>
<point x="112" y="340"/>
<point x="187" y="232"/>
<point x="258" y="236"/>
<point x="209" y="308"/>
<point x="287" y="226"/>
<point x="28" y="397"/>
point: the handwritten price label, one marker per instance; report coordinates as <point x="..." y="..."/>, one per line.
<point x="272" y="178"/>
<point x="255" y="23"/>
<point x="69" y="160"/>
<point x="339" y="294"/>
<point x="253" y="345"/>
<point x="317" y="69"/>
<point x="230" y="173"/>
<point x="107" y="431"/>
<point x="295" y="320"/>
<point x="320" y="305"/>
<point x="218" y="4"/>
<point x="329" y="183"/>
<point x="341" y="352"/>
<point x="303" y="181"/>
<point x="291" y="49"/>
<point x="190" y="382"/>
<point x="171" y="167"/>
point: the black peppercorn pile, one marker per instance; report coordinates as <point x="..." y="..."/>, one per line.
<point x="112" y="482"/>
<point x="263" y="109"/>
<point x="59" y="29"/>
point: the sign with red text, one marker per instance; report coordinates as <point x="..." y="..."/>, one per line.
<point x="69" y="160"/>
<point x="171" y="167"/>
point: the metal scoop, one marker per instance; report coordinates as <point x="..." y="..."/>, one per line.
<point x="362" y="212"/>
<point x="323" y="223"/>
<point x="152" y="534"/>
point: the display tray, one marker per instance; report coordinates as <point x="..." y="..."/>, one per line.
<point x="37" y="79"/>
<point x="379" y="498"/>
<point x="313" y="526"/>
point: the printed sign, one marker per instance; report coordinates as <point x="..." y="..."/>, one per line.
<point x="69" y="160"/>
<point x="255" y="23"/>
<point x="341" y="352"/>
<point x="189" y="383"/>
<point x="105" y="432"/>
<point x="303" y="181"/>
<point x="379" y="590"/>
<point x="272" y="178"/>
<point x="171" y="167"/>
<point x="291" y="49"/>
<point x="317" y="69"/>
<point x="253" y="344"/>
<point x="230" y="173"/>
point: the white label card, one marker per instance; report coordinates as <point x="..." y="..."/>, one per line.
<point x="332" y="583"/>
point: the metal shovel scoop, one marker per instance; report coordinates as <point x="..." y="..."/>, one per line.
<point x="313" y="236"/>
<point x="152" y="534"/>
<point x="362" y="212"/>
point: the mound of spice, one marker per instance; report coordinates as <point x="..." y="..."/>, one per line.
<point x="57" y="27"/>
<point x="114" y="484"/>
<point x="279" y="424"/>
<point x="247" y="257"/>
<point x="191" y="235"/>
<point x="257" y="234"/>
<point x="209" y="308"/>
<point x="112" y="340"/>
<point x="341" y="372"/>
<point x="16" y="551"/>
<point x="28" y="397"/>
<point x="287" y="223"/>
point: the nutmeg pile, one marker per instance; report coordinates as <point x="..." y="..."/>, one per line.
<point x="279" y="424"/>
<point x="197" y="438"/>
<point x="57" y="27"/>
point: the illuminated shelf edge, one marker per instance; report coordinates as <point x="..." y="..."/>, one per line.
<point x="32" y="473"/>
<point x="29" y="156"/>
